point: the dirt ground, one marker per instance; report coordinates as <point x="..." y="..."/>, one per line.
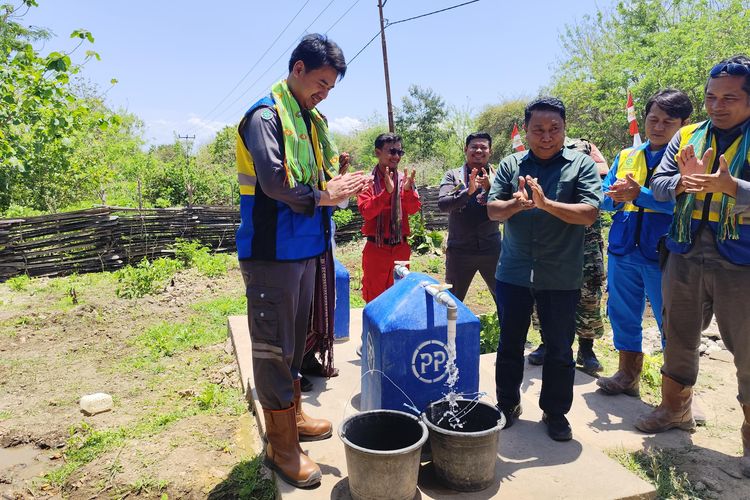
<point x="179" y="427"/>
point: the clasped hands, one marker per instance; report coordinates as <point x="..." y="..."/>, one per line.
<point x="409" y="182"/>
<point x="693" y="176"/>
<point x="476" y="180"/>
<point x="537" y="199"/>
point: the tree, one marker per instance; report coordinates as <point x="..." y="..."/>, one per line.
<point x="420" y="121"/>
<point x="642" y="46"/>
<point x="40" y="115"/>
<point x="498" y="120"/>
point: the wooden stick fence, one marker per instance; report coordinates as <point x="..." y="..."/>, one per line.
<point x="108" y="238"/>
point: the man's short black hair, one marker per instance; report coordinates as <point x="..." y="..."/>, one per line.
<point x="738" y="59"/>
<point x="384" y="138"/>
<point x="478" y="135"/>
<point x="544" y="104"/>
<point x="673" y="102"/>
<point x="316" y="51"/>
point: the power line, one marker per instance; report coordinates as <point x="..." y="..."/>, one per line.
<point x="341" y="17"/>
<point x="256" y="62"/>
<point x="430" y="13"/>
<point x="284" y="53"/>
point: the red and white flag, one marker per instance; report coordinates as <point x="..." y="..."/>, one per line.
<point x="633" y="122"/>
<point x="515" y="138"/>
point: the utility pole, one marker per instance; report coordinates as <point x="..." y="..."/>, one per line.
<point x="391" y="127"/>
<point x="189" y="181"/>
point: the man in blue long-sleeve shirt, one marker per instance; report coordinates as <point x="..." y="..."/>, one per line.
<point x="639" y="221"/>
<point x="706" y="171"/>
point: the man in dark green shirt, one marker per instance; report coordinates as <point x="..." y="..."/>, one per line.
<point x="546" y="197"/>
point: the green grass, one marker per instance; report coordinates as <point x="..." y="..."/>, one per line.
<point x="86" y="443"/>
<point x="660" y="468"/>
<point x="245" y="482"/>
<point x="5" y="415"/>
<point x="18" y="283"/>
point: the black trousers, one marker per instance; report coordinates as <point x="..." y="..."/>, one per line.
<point x="557" y="315"/>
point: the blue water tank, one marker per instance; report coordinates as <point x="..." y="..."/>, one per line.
<point x="341" y="309"/>
<point x="404" y="337"/>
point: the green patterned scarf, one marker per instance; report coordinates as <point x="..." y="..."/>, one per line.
<point x="305" y="158"/>
<point x="683" y="213"/>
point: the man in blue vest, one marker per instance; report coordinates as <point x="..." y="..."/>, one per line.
<point x="288" y="169"/>
<point x="637" y="225"/>
<point x="705" y="170"/>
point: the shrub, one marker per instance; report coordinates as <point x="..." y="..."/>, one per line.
<point x="421" y="240"/>
<point x="145" y="278"/>
<point x="489" y="333"/>
<point x="342" y="217"/>
<point x="194" y="254"/>
<point x="19" y="283"/>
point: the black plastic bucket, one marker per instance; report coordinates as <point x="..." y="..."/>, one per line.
<point x="464" y="458"/>
<point x="382" y="454"/>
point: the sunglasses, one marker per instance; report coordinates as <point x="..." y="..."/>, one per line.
<point x="734" y="69"/>
<point x="396" y="151"/>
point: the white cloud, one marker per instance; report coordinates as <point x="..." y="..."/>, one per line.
<point x="345" y="124"/>
<point x="162" y="131"/>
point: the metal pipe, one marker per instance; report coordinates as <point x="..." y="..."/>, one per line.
<point x="439" y="292"/>
<point x="400" y="268"/>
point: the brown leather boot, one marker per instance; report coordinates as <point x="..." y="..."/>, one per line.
<point x="310" y="429"/>
<point x="745" y="460"/>
<point x="627" y="378"/>
<point x="283" y="453"/>
<point x="673" y="412"/>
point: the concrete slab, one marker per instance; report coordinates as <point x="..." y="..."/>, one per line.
<point x="530" y="465"/>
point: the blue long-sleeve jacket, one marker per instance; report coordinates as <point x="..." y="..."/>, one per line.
<point x="640" y="225"/>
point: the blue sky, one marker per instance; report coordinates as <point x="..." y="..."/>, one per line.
<point x="176" y="61"/>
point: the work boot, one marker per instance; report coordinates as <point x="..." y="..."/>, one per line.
<point x="536" y="357"/>
<point x="283" y="453"/>
<point x="627" y="378"/>
<point x="745" y="460"/>
<point x="309" y="429"/>
<point x="586" y="357"/>
<point x="673" y="412"/>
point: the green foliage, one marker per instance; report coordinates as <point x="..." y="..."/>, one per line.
<point x="194" y="254"/>
<point x="146" y="278"/>
<point x="43" y="116"/>
<point x="421" y="240"/>
<point x="19" y="283"/>
<point x="489" y="333"/>
<point x="651" y="374"/>
<point x="245" y="482"/>
<point x="342" y="217"/>
<point x="658" y="466"/>
<point x="356" y="300"/>
<point x="419" y="121"/>
<point x="642" y="46"/>
<point x="498" y="120"/>
<point x="206" y="327"/>
<point x="214" y="396"/>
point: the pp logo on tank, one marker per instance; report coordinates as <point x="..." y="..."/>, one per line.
<point x="429" y="361"/>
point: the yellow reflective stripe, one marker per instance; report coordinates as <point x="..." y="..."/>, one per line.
<point x="632" y="161"/>
<point x="245" y="168"/>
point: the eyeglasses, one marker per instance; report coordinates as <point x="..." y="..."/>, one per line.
<point x="396" y="151"/>
<point x="479" y="148"/>
<point x="734" y="69"/>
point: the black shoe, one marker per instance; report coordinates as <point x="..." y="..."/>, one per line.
<point x="536" y="357"/>
<point x="558" y="427"/>
<point x="305" y="385"/>
<point x="511" y="413"/>
<point x="586" y="357"/>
